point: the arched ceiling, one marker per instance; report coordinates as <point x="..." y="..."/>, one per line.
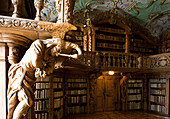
<point x="151" y="14"/>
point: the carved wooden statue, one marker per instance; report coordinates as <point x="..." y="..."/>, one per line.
<point x="38" y="61"/>
<point x="124" y="86"/>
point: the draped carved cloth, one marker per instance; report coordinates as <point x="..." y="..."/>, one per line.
<point x="22" y="79"/>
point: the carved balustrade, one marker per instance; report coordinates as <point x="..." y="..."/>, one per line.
<point x="119" y="60"/>
<point x="90" y="59"/>
<point x="160" y="62"/>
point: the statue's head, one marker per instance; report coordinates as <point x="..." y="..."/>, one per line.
<point x="60" y="29"/>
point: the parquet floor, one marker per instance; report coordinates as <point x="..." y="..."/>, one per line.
<point x="117" y="115"/>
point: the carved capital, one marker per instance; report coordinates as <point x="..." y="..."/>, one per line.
<point x="14" y="54"/>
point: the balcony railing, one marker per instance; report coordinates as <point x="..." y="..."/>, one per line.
<point x="119" y="60"/>
<point x="157" y="62"/>
<point x="125" y="61"/>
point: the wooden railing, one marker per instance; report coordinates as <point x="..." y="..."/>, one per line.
<point x="109" y="60"/>
<point x="119" y="60"/>
<point x="156" y="62"/>
<point x="125" y="61"/>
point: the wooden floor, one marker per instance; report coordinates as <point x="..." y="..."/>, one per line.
<point x="117" y="115"/>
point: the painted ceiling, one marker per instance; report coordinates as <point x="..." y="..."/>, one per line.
<point x="151" y="14"/>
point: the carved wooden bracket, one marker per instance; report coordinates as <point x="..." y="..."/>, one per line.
<point x="14" y="54"/>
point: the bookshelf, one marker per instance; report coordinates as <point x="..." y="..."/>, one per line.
<point x="41" y="104"/>
<point x="79" y="38"/>
<point x="58" y="88"/>
<point x="140" y="45"/>
<point x="76" y="92"/>
<point x="158" y="95"/>
<point x="111" y="38"/>
<point x="135" y="93"/>
<point x="168" y="45"/>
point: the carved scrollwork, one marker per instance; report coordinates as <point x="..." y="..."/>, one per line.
<point x="26" y="24"/>
<point x="160" y="61"/>
<point x="69" y="10"/>
<point x="93" y="85"/>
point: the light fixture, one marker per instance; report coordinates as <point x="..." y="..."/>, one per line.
<point x="111" y="73"/>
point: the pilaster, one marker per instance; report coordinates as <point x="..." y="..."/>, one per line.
<point x="3" y="79"/>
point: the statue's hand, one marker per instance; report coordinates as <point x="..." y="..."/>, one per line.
<point x="75" y="56"/>
<point x="40" y="73"/>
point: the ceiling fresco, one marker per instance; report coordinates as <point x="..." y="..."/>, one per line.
<point x="151" y="14"/>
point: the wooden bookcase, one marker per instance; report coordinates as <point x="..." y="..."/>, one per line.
<point x="58" y="87"/>
<point x="79" y="38"/>
<point x="76" y="91"/>
<point x="168" y="45"/>
<point x="61" y="94"/>
<point x="135" y="93"/>
<point x="110" y="39"/>
<point x="159" y="95"/>
<point x="41" y="105"/>
<point x="140" y="45"/>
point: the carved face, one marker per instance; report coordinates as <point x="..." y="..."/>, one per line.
<point x="58" y="47"/>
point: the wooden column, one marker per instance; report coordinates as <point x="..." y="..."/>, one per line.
<point x="127" y="48"/>
<point x="85" y="40"/>
<point x="3" y="79"/>
<point x="93" y="39"/>
<point x="51" y="100"/>
<point x="167" y="95"/>
<point x="145" y="93"/>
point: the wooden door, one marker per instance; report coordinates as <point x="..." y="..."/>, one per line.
<point x="106" y="93"/>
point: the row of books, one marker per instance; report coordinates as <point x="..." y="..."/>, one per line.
<point x="58" y="102"/>
<point x="158" y="85"/>
<point x="159" y="99"/>
<point x="42" y="85"/>
<point x="134" y="97"/>
<point x="77" y="80"/>
<point x="41" y="116"/>
<point x="134" y="81"/>
<point x="58" y="114"/>
<point x="76" y="109"/>
<point x="111" y="45"/>
<point x="44" y="93"/>
<point x="69" y="92"/>
<point x="58" y="94"/>
<point x="41" y="105"/>
<point x="110" y="29"/>
<point x="43" y="79"/>
<point x="136" y="40"/>
<point x="56" y="79"/>
<point x="135" y="85"/>
<point x="77" y="85"/>
<point x="109" y="37"/>
<point x="158" y="80"/>
<point x="57" y="85"/>
<point x="134" y="90"/>
<point x="134" y="105"/>
<point x="157" y="91"/>
<point x="141" y="49"/>
<point x="77" y="99"/>
<point x="158" y="108"/>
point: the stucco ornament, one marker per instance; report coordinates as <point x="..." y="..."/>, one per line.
<point x="38" y="61"/>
